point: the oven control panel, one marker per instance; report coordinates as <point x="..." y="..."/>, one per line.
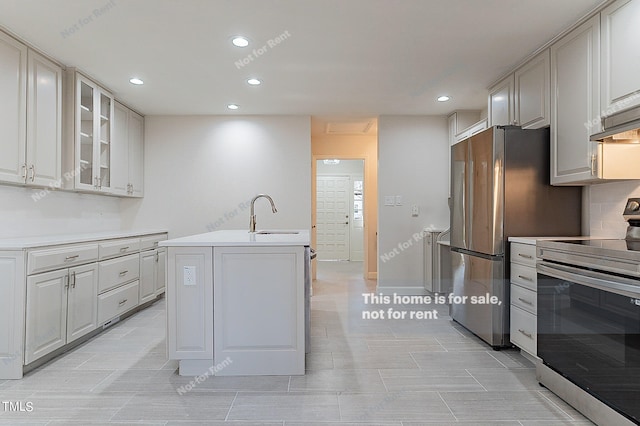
<point x="632" y="209"/>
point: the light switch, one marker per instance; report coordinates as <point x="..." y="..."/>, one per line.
<point x="389" y="200"/>
<point x="189" y="275"/>
<point x="398" y="200"/>
<point x="415" y="210"/>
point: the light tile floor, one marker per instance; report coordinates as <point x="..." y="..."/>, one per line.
<point x="373" y="372"/>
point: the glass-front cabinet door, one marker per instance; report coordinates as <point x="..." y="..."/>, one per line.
<point x="93" y="136"/>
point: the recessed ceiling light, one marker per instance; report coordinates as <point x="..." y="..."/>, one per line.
<point x="136" y="81"/>
<point x="240" y="41"/>
<point x="443" y="98"/>
<point x="233" y="106"/>
<point x="254" y="81"/>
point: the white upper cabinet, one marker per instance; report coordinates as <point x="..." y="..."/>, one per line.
<point x="501" y="103"/>
<point x="13" y="109"/>
<point x="127" y="152"/>
<point x="522" y="98"/>
<point x="532" y="92"/>
<point x="620" y="56"/>
<point x="92" y="128"/>
<point x="44" y="122"/>
<point x="120" y="150"/>
<point x="575" y="83"/>
<point x="30" y="116"/>
<point x="136" y="154"/>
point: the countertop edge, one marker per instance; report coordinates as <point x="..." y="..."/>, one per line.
<point x="56" y="240"/>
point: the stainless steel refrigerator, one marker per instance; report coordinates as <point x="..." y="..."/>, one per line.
<point x="500" y="188"/>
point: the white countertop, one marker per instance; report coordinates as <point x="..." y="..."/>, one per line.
<point x="54" y="240"/>
<point x="532" y="240"/>
<point x="240" y="238"/>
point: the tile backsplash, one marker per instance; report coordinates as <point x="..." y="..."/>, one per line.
<point x="606" y="204"/>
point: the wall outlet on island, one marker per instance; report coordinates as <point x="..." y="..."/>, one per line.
<point x="189" y="275"/>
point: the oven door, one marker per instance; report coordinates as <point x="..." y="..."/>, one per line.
<point x="589" y="332"/>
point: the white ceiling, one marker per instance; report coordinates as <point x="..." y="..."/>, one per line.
<point x="341" y="58"/>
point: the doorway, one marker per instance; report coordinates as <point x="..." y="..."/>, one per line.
<point x="340" y="209"/>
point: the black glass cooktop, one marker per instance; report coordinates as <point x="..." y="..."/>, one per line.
<point x="619" y="245"/>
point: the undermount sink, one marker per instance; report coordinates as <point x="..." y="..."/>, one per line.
<point x="277" y="232"/>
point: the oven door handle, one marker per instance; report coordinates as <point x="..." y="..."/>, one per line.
<point x="613" y="284"/>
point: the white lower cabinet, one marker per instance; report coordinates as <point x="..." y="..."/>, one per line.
<point x="61" y="307"/>
<point x="147" y="275"/>
<point x="161" y="271"/>
<point x="118" y="301"/>
<point x="524" y="293"/>
<point x="152" y="274"/>
<point x="54" y="294"/>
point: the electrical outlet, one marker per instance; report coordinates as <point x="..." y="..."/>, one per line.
<point x="389" y="200"/>
<point x="398" y="200"/>
<point x="189" y="275"/>
<point x="415" y="211"/>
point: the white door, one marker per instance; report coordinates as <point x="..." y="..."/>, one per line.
<point x="82" y="316"/>
<point x="332" y="218"/>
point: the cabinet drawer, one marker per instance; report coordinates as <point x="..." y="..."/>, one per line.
<point x="115" y="272"/>
<point x="524" y="298"/>
<point x="524" y="254"/>
<point x="523" y="330"/>
<point x="526" y="276"/>
<point x="60" y="257"/>
<point x="116" y="302"/>
<point x="151" y="242"/>
<point x="113" y="248"/>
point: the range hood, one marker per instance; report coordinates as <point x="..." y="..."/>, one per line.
<point x="623" y="127"/>
<point x="618" y="150"/>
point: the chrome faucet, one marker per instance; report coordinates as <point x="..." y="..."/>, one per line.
<point x="252" y="221"/>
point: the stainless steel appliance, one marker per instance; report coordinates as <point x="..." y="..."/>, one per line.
<point x="589" y="322"/>
<point x="618" y="150"/>
<point x="432" y="274"/>
<point x="500" y="188"/>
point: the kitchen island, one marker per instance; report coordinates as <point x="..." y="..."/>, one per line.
<point x="236" y="302"/>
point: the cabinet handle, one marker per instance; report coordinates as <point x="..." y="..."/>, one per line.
<point x="99" y="183"/>
<point x="73" y="279"/>
<point x="32" y="168"/>
<point x="24" y="172"/>
<point x="68" y="258"/>
<point x="526" y="256"/>
<point x="525" y="278"/>
<point x="525" y="333"/>
<point x="594" y="165"/>
<point x="157" y="257"/>
<point x="123" y="273"/>
<point x="123" y="249"/>
<point x="122" y="302"/>
<point x="95" y="182"/>
<point x="525" y="301"/>
<point x="66" y="281"/>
